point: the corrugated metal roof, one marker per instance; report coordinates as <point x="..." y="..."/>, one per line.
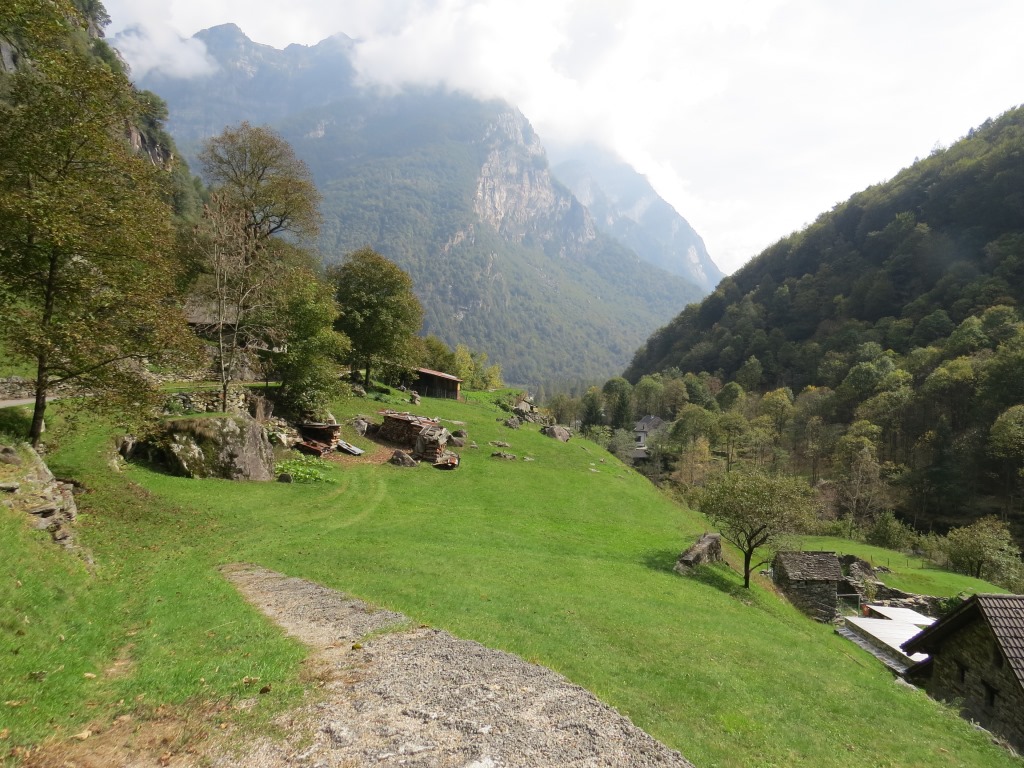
<point x="906" y="615"/>
<point x="440" y="374"/>
<point x="809" y="566"/>
<point x="892" y="634"/>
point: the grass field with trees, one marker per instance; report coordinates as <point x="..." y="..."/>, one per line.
<point x="565" y="560"/>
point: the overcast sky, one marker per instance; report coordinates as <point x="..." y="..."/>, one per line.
<point x="750" y="117"/>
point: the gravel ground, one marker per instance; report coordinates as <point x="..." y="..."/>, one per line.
<point x="400" y="695"/>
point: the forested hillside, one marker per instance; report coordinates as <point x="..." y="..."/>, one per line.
<point x="893" y="319"/>
<point x="456" y="191"/>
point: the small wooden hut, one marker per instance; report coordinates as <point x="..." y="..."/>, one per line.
<point x="430" y="383"/>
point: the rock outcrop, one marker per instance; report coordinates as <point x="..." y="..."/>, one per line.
<point x="557" y="432"/>
<point x="707" y="549"/>
<point x="232" y="447"/>
<point x="29" y="485"/>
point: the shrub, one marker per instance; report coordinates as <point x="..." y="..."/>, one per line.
<point x="890" y="532"/>
<point x="303" y="469"/>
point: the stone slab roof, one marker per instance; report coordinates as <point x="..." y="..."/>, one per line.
<point x="808" y="566"/>
<point x="1003" y="613"/>
<point x="649" y="424"/>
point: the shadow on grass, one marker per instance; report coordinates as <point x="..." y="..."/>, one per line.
<point x="16" y="421"/>
<point x="719" y="575"/>
<point x="661" y="559"/>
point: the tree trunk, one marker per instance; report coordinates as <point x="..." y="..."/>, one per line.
<point x="43" y="358"/>
<point x="366" y="377"/>
<point x="747" y="557"/>
<point x="42" y="385"/>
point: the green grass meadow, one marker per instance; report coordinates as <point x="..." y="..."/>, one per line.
<point x="564" y="560"/>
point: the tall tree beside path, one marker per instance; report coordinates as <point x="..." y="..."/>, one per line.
<point x="754" y="510"/>
<point x="261" y="190"/>
<point x="87" y="275"/>
<point x="379" y="311"/>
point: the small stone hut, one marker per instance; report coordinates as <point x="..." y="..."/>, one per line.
<point x="810" y="580"/>
<point x="976" y="659"/>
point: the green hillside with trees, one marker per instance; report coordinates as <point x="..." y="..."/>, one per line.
<point x="885" y="338"/>
<point x="545" y="294"/>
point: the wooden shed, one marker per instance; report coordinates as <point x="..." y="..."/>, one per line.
<point x="430" y="383"/>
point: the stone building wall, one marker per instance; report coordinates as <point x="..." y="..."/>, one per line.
<point x="965" y="672"/>
<point x="817" y="599"/>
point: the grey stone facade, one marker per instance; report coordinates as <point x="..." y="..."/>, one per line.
<point x="975" y="663"/>
<point x="810" y="581"/>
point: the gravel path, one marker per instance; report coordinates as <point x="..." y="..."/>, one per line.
<point x="399" y="695"/>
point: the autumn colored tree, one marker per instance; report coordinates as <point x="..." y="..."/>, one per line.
<point x="87" y="279"/>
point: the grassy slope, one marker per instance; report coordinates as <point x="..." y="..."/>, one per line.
<point x="548" y="559"/>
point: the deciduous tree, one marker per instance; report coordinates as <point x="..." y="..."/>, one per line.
<point x="379" y="311"/>
<point x="753" y="510"/>
<point x="985" y="550"/>
<point x="261" y="189"/>
<point x="86" y="277"/>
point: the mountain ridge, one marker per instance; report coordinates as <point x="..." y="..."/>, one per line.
<point x="457" y="191"/>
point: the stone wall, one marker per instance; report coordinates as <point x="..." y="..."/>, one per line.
<point x="965" y="672"/>
<point x="27" y="485"/>
<point x="817" y="599"/>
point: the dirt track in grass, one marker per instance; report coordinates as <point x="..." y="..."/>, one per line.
<point x="397" y="694"/>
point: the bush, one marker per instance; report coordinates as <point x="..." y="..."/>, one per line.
<point x="890" y="532"/>
<point x="303" y="469"/>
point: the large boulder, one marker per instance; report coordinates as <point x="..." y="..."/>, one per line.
<point x="233" y="447"/>
<point x="402" y="459"/>
<point x="557" y="432"/>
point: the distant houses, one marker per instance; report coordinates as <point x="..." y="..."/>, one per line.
<point x="641" y="431"/>
<point x="976" y="661"/>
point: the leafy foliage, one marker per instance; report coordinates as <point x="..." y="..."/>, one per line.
<point x="753" y="510"/>
<point x="379" y="311"/>
<point x="304" y="469"/>
<point x="252" y="287"/>
<point x="894" y="319"/>
<point x="87" y="279"/>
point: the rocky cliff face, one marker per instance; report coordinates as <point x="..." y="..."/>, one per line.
<point x="625" y="205"/>
<point x="516" y="194"/>
<point x="456" y="191"/>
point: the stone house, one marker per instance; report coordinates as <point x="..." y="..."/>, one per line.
<point x="810" y="580"/>
<point x="643" y="428"/>
<point x="977" y="663"/>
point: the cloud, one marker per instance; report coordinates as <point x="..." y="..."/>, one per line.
<point x="750" y="117"/>
<point x="148" y="48"/>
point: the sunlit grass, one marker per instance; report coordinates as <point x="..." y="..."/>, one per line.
<point x="565" y="560"/>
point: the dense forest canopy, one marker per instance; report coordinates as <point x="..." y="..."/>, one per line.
<point x="893" y="323"/>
